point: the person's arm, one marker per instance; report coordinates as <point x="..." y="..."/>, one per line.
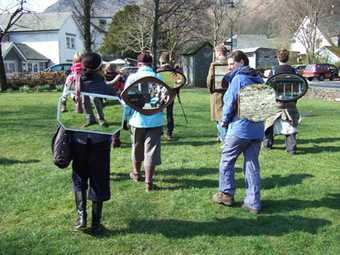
<point x="114" y="80"/>
<point x="229" y="101"/>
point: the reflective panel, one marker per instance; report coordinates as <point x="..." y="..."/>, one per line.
<point x="172" y="78"/>
<point x="288" y="87"/>
<point x="219" y="71"/>
<point x="148" y="95"/>
<point x="257" y="102"/>
<point x="100" y="114"/>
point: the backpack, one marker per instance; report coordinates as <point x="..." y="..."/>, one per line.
<point x="61" y="148"/>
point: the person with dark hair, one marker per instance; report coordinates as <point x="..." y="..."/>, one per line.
<point x="287" y="120"/>
<point x="243" y="136"/>
<point x="216" y="95"/>
<point x="91" y="155"/>
<point x="146" y="130"/>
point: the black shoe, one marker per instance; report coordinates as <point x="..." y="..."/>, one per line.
<point x="96" y="227"/>
<point x="80" y="198"/>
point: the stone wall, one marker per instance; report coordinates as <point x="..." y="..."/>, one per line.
<point x="327" y="94"/>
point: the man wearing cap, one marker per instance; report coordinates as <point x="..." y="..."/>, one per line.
<point x="146" y="130"/>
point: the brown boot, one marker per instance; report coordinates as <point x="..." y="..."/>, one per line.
<point x="224" y="199"/>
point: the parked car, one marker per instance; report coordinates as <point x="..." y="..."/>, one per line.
<point x="299" y="69"/>
<point x="320" y="71"/>
<point x="63" y="67"/>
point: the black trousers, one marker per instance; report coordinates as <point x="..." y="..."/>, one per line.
<point x="170" y="118"/>
<point x="290" y="140"/>
<point x="91" y="165"/>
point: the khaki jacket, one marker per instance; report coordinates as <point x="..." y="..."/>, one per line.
<point x="216" y="98"/>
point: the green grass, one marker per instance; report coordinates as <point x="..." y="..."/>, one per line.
<point x="300" y="194"/>
<point x="113" y="114"/>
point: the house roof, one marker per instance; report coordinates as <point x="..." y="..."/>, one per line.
<point x="193" y="48"/>
<point x="249" y="50"/>
<point x="24" y="50"/>
<point x="334" y="50"/>
<point x="37" y="21"/>
<point x="330" y="25"/>
<point x="252" y="41"/>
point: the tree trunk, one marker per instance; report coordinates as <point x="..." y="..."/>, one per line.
<point x="87" y="25"/>
<point x="3" y="80"/>
<point x="155" y="33"/>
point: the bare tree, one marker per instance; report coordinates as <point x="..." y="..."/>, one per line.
<point x="222" y="16"/>
<point x="83" y="11"/>
<point x="14" y="17"/>
<point x="301" y="17"/>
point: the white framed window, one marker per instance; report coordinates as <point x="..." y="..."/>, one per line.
<point x="70" y="41"/>
<point x="29" y="67"/>
<point x="42" y="66"/>
<point x="24" y="67"/>
<point x="35" y="68"/>
<point x="10" y="67"/>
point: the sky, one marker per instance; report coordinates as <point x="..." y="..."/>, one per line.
<point x="33" y="5"/>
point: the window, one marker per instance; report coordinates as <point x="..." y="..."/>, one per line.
<point x="24" y="67"/>
<point x="102" y="22"/>
<point x="10" y="67"/>
<point x="29" y="67"/>
<point x="42" y="66"/>
<point x="70" y="41"/>
<point x="35" y="68"/>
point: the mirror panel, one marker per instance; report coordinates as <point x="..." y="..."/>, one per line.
<point x="288" y="87"/>
<point x="148" y="95"/>
<point x="100" y="114"/>
<point x="172" y="78"/>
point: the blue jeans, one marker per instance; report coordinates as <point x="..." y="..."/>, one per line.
<point x="233" y="147"/>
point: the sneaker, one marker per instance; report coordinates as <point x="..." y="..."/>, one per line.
<point x="224" y="199"/>
<point x="251" y="210"/>
<point x="88" y="124"/>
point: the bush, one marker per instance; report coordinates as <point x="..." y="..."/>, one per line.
<point x="33" y="80"/>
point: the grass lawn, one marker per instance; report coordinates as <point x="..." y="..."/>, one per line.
<point x="300" y="194"/>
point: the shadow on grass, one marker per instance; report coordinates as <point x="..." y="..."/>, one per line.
<point x="261" y="225"/>
<point x="6" y="161"/>
<point x="318" y="140"/>
<point x="310" y="150"/>
<point x="331" y="201"/>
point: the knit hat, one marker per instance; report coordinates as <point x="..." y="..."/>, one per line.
<point x="91" y="61"/>
<point x="144" y="58"/>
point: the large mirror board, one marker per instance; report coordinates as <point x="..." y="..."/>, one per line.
<point x="219" y="71"/>
<point x="257" y="102"/>
<point x="148" y="95"/>
<point x="288" y="87"/>
<point x="173" y="79"/>
<point x="102" y="114"/>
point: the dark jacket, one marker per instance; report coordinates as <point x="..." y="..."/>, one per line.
<point x="92" y="82"/>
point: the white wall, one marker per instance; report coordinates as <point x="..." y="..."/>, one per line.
<point x="46" y="43"/>
<point x="69" y="27"/>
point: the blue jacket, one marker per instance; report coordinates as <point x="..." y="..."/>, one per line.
<point x="135" y="118"/>
<point x="241" y="128"/>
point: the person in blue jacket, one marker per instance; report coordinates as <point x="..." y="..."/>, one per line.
<point x="146" y="129"/>
<point x="243" y="136"/>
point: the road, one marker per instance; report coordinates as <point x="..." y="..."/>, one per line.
<point x="325" y="84"/>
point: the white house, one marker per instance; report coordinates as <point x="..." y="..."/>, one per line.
<point x="19" y="57"/>
<point x="245" y="41"/>
<point x="54" y="35"/>
<point x="330" y="54"/>
<point x="327" y="33"/>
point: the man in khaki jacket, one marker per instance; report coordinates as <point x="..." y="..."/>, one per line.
<point x="216" y="95"/>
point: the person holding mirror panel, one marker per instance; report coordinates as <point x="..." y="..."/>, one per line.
<point x="91" y="154"/>
<point x="146" y="129"/>
<point x="287" y="120"/>
<point x="165" y="65"/>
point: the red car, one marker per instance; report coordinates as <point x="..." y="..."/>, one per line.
<point x="320" y="71"/>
